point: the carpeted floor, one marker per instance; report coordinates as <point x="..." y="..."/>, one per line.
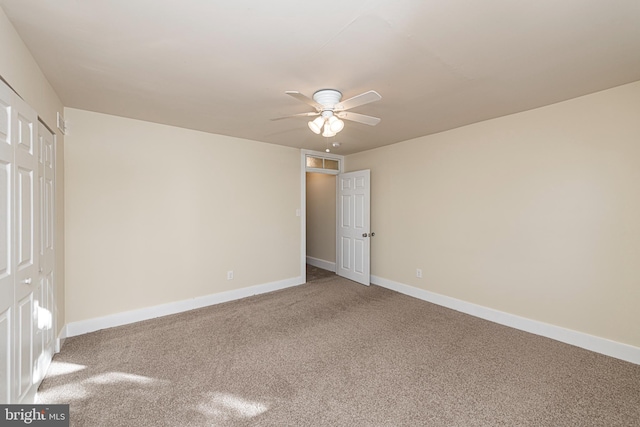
<point x="335" y="353"/>
<point x="315" y="273"/>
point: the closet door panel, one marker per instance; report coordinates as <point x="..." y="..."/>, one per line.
<point x="26" y="236"/>
<point x="26" y="267"/>
<point x="46" y="257"/>
<point x="7" y="297"/>
<point x="5" y="355"/>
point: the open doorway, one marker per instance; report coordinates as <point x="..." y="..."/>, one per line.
<point x="319" y="196"/>
<point x="321" y="224"/>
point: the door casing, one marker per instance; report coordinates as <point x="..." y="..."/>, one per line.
<point x="303" y="199"/>
<point x="302" y="211"/>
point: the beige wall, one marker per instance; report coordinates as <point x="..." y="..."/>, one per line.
<point x="321" y="216"/>
<point x="534" y="214"/>
<point x="21" y="72"/>
<point x="157" y="214"/>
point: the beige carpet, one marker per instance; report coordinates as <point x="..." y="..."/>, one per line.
<point x="315" y="273"/>
<point x="335" y="353"/>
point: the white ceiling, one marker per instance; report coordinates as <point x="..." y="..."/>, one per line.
<point x="223" y="67"/>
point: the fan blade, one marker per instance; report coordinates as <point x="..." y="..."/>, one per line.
<point x="300" y="97"/>
<point x="358" y="100"/>
<point x="360" y="118"/>
<point x="311" y="113"/>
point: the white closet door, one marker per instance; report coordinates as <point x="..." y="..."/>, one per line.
<point x="26" y="232"/>
<point x="45" y="307"/>
<point x="21" y="345"/>
<point x="6" y="245"/>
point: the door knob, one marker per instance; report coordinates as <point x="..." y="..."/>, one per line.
<point x="364" y="234"/>
<point x="27" y="281"/>
<point x="372" y="234"/>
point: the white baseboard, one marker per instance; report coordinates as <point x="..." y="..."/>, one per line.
<point x="604" y="346"/>
<point x="320" y="263"/>
<point x="90" y="325"/>
<point x="60" y="339"/>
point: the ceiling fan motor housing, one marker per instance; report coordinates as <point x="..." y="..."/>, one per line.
<point x="327" y="97"/>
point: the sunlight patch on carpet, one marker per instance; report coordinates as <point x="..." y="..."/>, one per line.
<point x="227" y="406"/>
<point x="63" y="368"/>
<point x="121" y="377"/>
<point x="63" y="393"/>
<point x="80" y="390"/>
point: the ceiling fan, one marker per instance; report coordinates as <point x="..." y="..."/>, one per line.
<point x="330" y="110"/>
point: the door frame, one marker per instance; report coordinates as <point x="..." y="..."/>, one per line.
<point x="303" y="198"/>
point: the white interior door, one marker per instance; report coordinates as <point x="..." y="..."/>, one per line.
<point x="353" y="241"/>
<point x="20" y="349"/>
<point x="26" y="232"/>
<point x="6" y="245"/>
<point x="45" y="304"/>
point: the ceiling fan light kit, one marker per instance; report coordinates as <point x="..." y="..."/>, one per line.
<point x="316" y="125"/>
<point x="328" y="133"/>
<point x="330" y="110"/>
<point x="335" y="124"/>
<point x="332" y="125"/>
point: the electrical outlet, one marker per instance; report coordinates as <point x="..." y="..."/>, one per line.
<point x="419" y="273"/>
<point x="230" y="275"/>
